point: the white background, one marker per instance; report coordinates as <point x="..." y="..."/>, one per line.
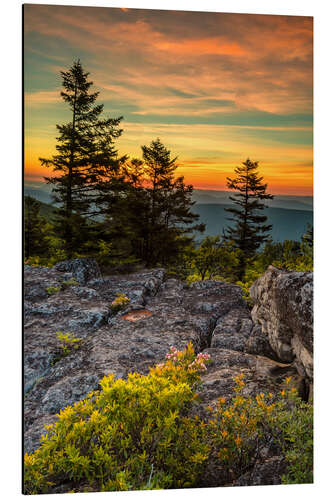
<point x="10" y="231"/>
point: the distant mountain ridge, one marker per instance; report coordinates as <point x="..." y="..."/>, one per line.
<point x="42" y="192"/>
<point x="288" y="224"/>
<point x="289" y="215"/>
<point x="290" y="202"/>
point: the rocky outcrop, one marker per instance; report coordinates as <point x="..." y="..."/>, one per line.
<point x="82" y="270"/>
<point x="161" y="313"/>
<point x="283" y="307"/>
<point x="264" y="473"/>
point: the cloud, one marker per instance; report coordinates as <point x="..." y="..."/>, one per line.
<point x="42" y="97"/>
<point x="261" y="62"/>
<point x="215" y="87"/>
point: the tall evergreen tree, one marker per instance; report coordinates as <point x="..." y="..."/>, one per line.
<point x="250" y="228"/>
<point x="85" y="155"/>
<point x="156" y="209"/>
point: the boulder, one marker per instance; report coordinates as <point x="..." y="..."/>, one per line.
<point x="82" y="270"/>
<point x="283" y="307"/>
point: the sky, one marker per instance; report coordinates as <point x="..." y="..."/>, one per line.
<point x="215" y="88"/>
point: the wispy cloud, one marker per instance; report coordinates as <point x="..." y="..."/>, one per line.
<point x="211" y="85"/>
<point x="42" y="97"/>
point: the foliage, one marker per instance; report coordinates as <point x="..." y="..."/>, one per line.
<point x="137" y="433"/>
<point x="32" y="261"/>
<point x="154" y="211"/>
<point x="85" y="155"/>
<point x="51" y="290"/>
<point x="131" y="434"/>
<point x="214" y="258"/>
<point x="114" y="255"/>
<point x="297" y="443"/>
<point x="69" y="283"/>
<point x="308" y="235"/>
<point x="289" y="255"/>
<point x="248" y="231"/>
<point x="182" y="267"/>
<point x="241" y="427"/>
<point x="253" y="271"/>
<point x="120" y="302"/>
<point x="35" y="229"/>
<point x="68" y="342"/>
<point x="302" y="261"/>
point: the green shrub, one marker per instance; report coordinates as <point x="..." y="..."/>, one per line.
<point x="34" y="261"/>
<point x="131" y="434"/>
<point x="69" y="283"/>
<point x="68" y="342"/>
<point x="192" y="278"/>
<point x="137" y="433"/>
<point x="51" y="290"/>
<point x="240" y="428"/>
<point x="297" y="443"/>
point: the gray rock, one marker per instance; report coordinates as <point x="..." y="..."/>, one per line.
<point x="283" y="306"/>
<point x="83" y="270"/>
<point x="232" y="330"/>
<point x="85" y="292"/>
<point x="66" y="392"/>
<point x="34" y="292"/>
<point x="94" y="316"/>
<point x="225" y="365"/>
<point x="264" y="473"/>
<point x="32" y="436"/>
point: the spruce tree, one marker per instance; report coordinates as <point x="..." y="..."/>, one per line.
<point x="85" y="155"/>
<point x="249" y="230"/>
<point x="156" y="209"/>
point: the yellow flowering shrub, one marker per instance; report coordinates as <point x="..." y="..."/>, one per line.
<point x="131" y="434"/>
<point x="119" y="302"/>
<point x="137" y="433"/>
<point x="238" y="429"/>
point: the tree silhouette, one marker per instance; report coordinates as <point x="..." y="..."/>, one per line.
<point x="249" y="229"/>
<point x="156" y="208"/>
<point x="85" y="153"/>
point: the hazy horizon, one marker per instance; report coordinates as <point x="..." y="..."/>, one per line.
<point x="42" y="191"/>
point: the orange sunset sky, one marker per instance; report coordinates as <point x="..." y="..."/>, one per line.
<point x="216" y="88"/>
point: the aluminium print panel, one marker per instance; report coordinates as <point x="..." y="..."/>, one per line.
<point x="168" y="249"/>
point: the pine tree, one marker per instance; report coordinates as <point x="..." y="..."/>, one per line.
<point x="156" y="209"/>
<point x="249" y="229"/>
<point x="85" y="155"/>
<point x="35" y="243"/>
